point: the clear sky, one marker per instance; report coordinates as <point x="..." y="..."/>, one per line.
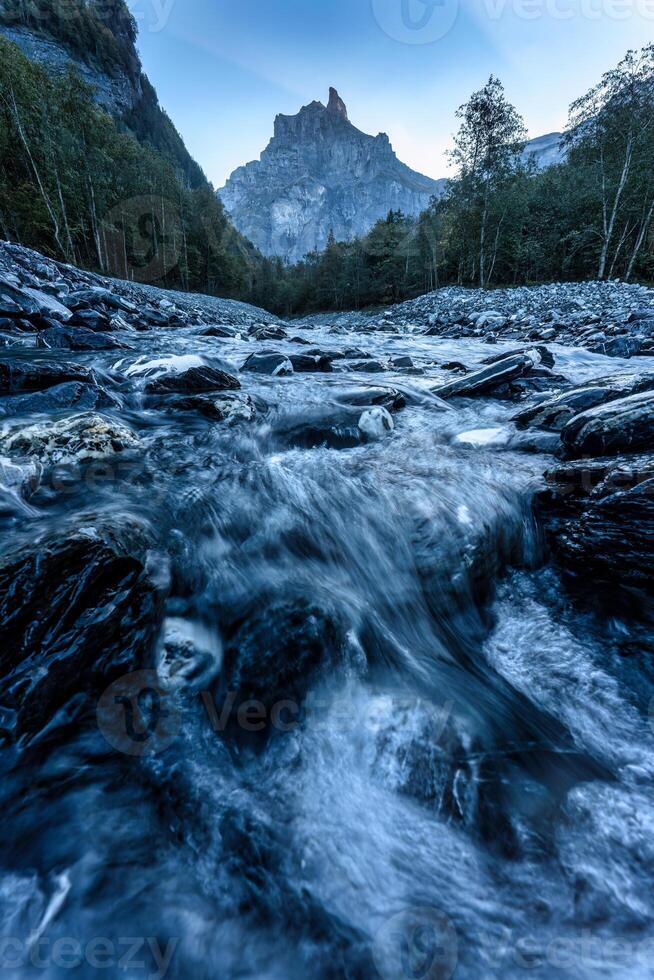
<point x="224" y="68"/>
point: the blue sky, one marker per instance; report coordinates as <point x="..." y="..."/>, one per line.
<point x="224" y="68"/>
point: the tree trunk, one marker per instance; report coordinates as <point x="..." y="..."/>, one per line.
<point x="608" y="233"/>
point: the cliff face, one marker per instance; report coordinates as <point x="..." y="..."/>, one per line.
<point x="97" y="38"/>
<point x="319" y="173"/>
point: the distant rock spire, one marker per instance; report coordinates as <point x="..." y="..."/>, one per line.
<point x="336" y="104"/>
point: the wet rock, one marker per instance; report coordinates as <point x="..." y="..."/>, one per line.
<point x="77" y="339"/>
<point x="89" y="299"/>
<point x="220" y="330"/>
<point x="92" y="320"/>
<point x="402" y="361"/>
<point x="368" y="367"/>
<point x="220" y="408"/>
<point x="190" y="655"/>
<point x="195" y="380"/>
<point x="487" y="379"/>
<point x="268" y="333"/>
<point x="618" y="347"/>
<point x="547" y="359"/>
<point x="319" y="428"/>
<point x="554" y="413"/>
<point x="276" y="648"/>
<point x="376" y="423"/>
<point x="69" y="441"/>
<point x="19" y="376"/>
<point x="310" y="363"/>
<point x="389" y="398"/>
<point x="269" y="362"/>
<point x="73" y="394"/>
<point x="79" y="608"/>
<point x="626" y="425"/>
<point x="506" y="437"/>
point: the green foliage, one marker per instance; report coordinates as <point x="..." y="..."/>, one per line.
<point x="74" y="187"/>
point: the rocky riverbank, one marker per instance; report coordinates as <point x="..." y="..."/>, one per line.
<point x="438" y="520"/>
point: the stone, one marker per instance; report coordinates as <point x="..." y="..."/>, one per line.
<point x="219" y="408"/>
<point x="376" y="423"/>
<point x="20" y="376"/>
<point x="78" y="439"/>
<point x="91" y="320"/>
<point x="80" y="606"/>
<point x="194" y="380"/>
<point x="625" y="425"/>
<point x="310" y="363"/>
<point x="73" y="394"/>
<point x="77" y="339"/>
<point x="554" y="413"/>
<point x="483" y="381"/>
<point x="269" y="362"/>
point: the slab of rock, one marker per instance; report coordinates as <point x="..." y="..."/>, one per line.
<point x="78" y="439"/>
<point x="19" y="376"/>
<point x="77" y="339"/>
<point x="625" y="425"/>
<point x="556" y="412"/>
<point x="92" y="320"/>
<point x="389" y="398"/>
<point x="79" y="607"/>
<point x="491" y="377"/>
<point x="195" y="380"/>
<point x="74" y="394"/>
<point x="89" y="299"/>
<point x="546" y="356"/>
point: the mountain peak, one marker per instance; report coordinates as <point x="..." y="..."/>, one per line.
<point x="336" y="104"/>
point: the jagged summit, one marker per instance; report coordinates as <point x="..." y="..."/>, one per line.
<point x="336" y="104"/>
<point x="319" y="173"/>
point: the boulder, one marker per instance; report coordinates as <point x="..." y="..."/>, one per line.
<point x="554" y="413"/>
<point x="618" y="347"/>
<point x="22" y="376"/>
<point x="69" y="441"/>
<point x="89" y="299"/>
<point x="389" y="398"/>
<point x="310" y="363"/>
<point x="546" y="356"/>
<point x="268" y="333"/>
<point x="269" y="362"/>
<point x="91" y="320"/>
<point x="77" y="339"/>
<point x="219" y="408"/>
<point x="625" y="425"/>
<point x="219" y="330"/>
<point x="74" y="394"/>
<point x="194" y="380"/>
<point x="368" y="367"/>
<point x="79" y="608"/>
<point x="488" y="378"/>
<point x="376" y="423"/>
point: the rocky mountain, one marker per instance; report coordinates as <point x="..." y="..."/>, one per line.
<point x="97" y="38"/>
<point x="320" y="174"/>
<point x="545" y="151"/>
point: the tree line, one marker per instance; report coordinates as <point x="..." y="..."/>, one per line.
<point x="501" y="221"/>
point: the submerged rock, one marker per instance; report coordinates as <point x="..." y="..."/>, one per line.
<point x="309" y="363"/>
<point x="626" y="425"/>
<point x="219" y="408"/>
<point x="78" y="608"/>
<point x="69" y="441"/>
<point x="389" y="398"/>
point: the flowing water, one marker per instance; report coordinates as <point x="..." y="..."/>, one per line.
<point x="451" y="769"/>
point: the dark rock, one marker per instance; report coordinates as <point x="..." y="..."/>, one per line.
<point x="89" y="299"/>
<point x="219" y="408"/>
<point x="77" y="339"/>
<point x="310" y="363"/>
<point x="328" y="428"/>
<point x="78" y="609"/>
<point x="16" y="376"/>
<point x="270" y="332"/>
<point x="546" y="356"/>
<point x="269" y="362"/>
<point x="491" y="377"/>
<point x="556" y="412"/>
<point x="91" y="320"/>
<point x="368" y="367"/>
<point x="74" y="394"/>
<point x="389" y="398"/>
<point x="403" y="361"/>
<point x="456" y="366"/>
<point x="195" y="380"/>
<point x="219" y="330"/>
<point x="618" y="347"/>
<point x="626" y="425"/>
